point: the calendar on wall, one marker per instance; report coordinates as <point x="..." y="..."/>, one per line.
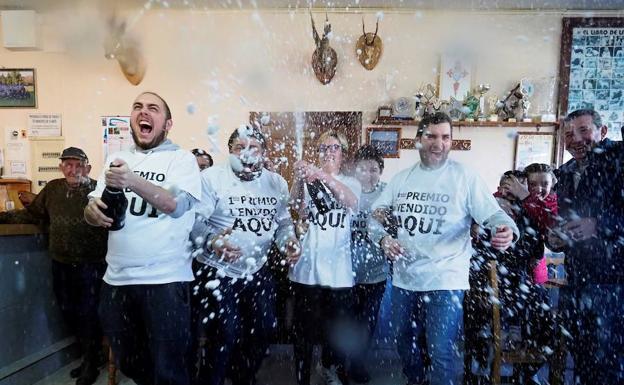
<point x="534" y="147"/>
<point x="593" y="69"/>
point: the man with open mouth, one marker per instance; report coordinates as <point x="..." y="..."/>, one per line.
<point x="144" y="306"/>
<point x="591" y="206"/>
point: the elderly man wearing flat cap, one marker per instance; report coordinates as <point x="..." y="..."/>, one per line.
<point x="77" y="251"/>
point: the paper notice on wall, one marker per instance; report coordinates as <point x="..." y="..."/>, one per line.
<point x="117" y="135"/>
<point x="17" y="153"/>
<point x="44" y="125"/>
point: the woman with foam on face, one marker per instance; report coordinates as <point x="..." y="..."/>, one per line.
<point x="322" y="279"/>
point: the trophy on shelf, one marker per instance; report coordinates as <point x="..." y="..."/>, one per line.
<point x="471" y="107"/>
<point x="417" y="104"/>
<point x="493" y="105"/>
<point x="482" y="89"/>
<point x="527" y="90"/>
<point x="428" y="99"/>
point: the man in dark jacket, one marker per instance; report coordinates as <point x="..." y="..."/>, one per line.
<point x="591" y="207"/>
<point x="77" y="251"/>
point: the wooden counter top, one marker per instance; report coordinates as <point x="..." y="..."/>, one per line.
<point x="19" y="230"/>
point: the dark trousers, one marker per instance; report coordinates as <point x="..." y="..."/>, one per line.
<point x="149" y="331"/>
<point x="593" y="315"/>
<point x="235" y="320"/>
<point x="77" y="290"/>
<point x="324" y="311"/>
<point x="366" y="309"/>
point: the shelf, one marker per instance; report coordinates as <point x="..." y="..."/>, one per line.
<point x="412" y="122"/>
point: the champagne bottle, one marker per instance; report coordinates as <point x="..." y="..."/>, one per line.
<point x="321" y="196"/>
<point x="117" y="203"/>
<point x="391" y="224"/>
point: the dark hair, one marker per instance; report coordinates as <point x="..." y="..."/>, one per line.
<point x="252" y="131"/>
<point x="541" y="167"/>
<point x="516" y="173"/>
<point x="167" y="109"/>
<point x="537" y="167"/>
<point x="435" y="118"/>
<point x="596" y="119"/>
<point x="368" y="152"/>
<point x="204" y="154"/>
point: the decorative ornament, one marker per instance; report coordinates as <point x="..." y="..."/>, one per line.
<point x="324" y="58"/>
<point x="369" y="47"/>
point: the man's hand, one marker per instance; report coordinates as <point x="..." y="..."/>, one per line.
<point x="223" y="248"/>
<point x="94" y="216"/>
<point x="119" y="175"/>
<point x="514" y="186"/>
<point x="502" y="239"/>
<point x="392" y="248"/>
<point x="581" y="229"/>
<point x="292" y="249"/>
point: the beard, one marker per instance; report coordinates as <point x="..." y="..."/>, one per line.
<point x="153" y="143"/>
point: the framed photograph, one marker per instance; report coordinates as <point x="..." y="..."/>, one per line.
<point x="534" y="147"/>
<point x="455" y="77"/>
<point x="386" y="139"/>
<point x="17" y="88"/>
<point x="384" y="112"/>
<point x="590" y="68"/>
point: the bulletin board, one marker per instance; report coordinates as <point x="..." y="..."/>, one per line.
<point x="116" y="134"/>
<point x="592" y="69"/>
<point x="534" y="147"/>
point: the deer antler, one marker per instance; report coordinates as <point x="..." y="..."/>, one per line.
<point x="363" y="29"/>
<point x="317" y="39"/>
<point x="327" y="28"/>
<point x="376" y="29"/>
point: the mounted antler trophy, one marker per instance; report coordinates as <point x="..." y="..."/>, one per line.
<point x="324" y="58"/>
<point x="126" y="50"/>
<point x="369" y="47"/>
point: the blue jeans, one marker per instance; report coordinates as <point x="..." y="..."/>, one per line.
<point x="594" y="315"/>
<point x="429" y="325"/>
<point x="238" y="327"/>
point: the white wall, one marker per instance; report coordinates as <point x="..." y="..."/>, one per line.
<point x="227" y="63"/>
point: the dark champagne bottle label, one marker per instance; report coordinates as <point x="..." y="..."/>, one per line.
<point x="321" y="196"/>
<point x="117" y="203"/>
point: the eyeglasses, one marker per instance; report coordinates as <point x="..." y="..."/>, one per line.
<point x="332" y="147"/>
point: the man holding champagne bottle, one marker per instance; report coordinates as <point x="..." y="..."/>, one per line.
<point x="144" y="307"/>
<point x="434" y="203"/>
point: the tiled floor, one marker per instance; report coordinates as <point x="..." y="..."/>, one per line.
<point x="277" y="369"/>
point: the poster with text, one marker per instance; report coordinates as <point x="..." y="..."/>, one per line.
<point x="116" y="134"/>
<point x="597" y="75"/>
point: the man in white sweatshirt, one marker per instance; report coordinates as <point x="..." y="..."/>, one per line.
<point x="244" y="210"/>
<point x="144" y="303"/>
<point x="433" y="203"/>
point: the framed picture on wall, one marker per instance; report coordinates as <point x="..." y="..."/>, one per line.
<point x="17" y="88"/>
<point x="385" y="139"/>
<point x="592" y="69"/>
<point x="455" y="76"/>
<point x="534" y="147"/>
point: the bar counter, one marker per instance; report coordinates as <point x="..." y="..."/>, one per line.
<point x="34" y="339"/>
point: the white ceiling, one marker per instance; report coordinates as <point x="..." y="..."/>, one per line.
<point x="477" y="5"/>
